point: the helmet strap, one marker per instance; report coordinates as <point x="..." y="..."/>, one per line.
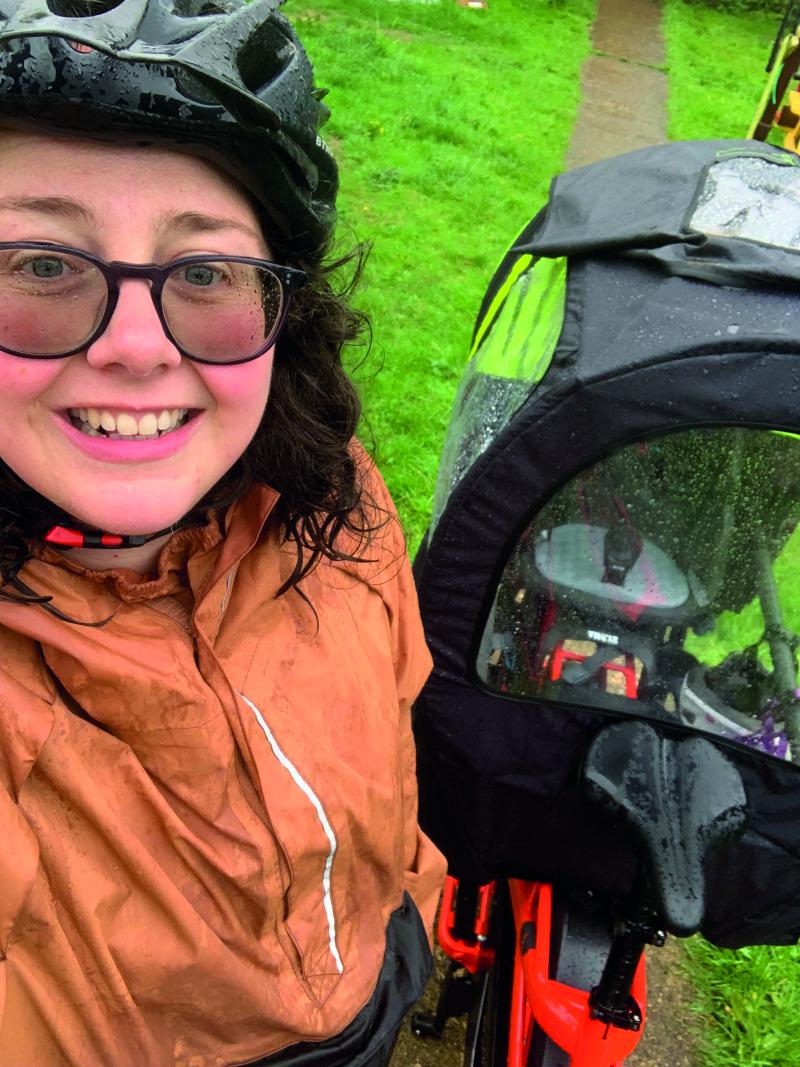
<point x="66" y="537"/>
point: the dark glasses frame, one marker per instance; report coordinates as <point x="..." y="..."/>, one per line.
<point x="290" y="279"/>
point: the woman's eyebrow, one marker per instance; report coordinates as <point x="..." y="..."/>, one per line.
<point x="73" y="210"/>
<point x="198" y="221"/>
<point x="63" y="206"/>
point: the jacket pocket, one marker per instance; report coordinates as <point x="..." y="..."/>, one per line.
<point x="368" y="1040"/>
<point x="306" y="838"/>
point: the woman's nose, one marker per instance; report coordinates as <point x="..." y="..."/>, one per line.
<point x="134" y="338"/>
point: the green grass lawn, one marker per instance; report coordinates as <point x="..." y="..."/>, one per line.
<point x="749" y="1000"/>
<point x="716" y="62"/>
<point x="449" y="124"/>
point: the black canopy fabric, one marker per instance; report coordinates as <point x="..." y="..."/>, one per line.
<point x="665" y="328"/>
<point x="642" y="205"/>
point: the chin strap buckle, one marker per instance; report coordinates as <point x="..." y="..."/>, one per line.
<point x="64" y="537"/>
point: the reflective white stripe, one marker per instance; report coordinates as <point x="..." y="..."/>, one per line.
<point x="227" y="595"/>
<point x="299" y="781"/>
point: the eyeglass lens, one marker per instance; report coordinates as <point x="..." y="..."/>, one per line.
<point x="52" y="302"/>
<point x="220" y="310"/>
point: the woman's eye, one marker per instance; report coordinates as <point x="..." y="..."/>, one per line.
<point x="45" y="267"/>
<point x="202" y="274"/>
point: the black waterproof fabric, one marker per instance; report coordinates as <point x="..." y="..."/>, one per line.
<point x="646" y="348"/>
<point x="640" y="205"/>
<point x="369" y="1039"/>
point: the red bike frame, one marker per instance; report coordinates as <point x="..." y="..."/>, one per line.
<point x="560" y="1010"/>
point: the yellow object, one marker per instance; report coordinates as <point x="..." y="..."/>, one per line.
<point x="769" y="87"/>
<point x="772" y="112"/>
<point x="791" y="112"/>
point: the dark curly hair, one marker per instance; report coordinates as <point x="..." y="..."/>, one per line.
<point x="303" y="447"/>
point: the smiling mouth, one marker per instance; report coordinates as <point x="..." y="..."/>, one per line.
<point x="124" y="426"/>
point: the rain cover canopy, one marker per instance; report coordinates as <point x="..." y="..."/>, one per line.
<point x="502" y="371"/>
<point x="663" y="582"/>
<point x="616" y="529"/>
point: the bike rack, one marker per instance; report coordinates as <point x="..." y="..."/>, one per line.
<point x="462" y="932"/>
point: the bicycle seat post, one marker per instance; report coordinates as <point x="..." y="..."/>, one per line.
<point x="680" y="799"/>
<point x="611" y="999"/>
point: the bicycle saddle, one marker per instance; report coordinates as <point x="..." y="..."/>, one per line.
<point x="681" y="798"/>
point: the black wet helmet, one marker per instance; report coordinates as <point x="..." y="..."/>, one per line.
<point x="223" y="79"/>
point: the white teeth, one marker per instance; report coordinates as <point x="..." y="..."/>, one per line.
<point x="133" y="437"/>
<point x="125" y="425"/>
<point x="148" y="425"/>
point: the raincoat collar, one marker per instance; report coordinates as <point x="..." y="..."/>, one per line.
<point x="199" y="555"/>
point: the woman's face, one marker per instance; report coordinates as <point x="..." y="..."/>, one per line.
<point x="137" y="205"/>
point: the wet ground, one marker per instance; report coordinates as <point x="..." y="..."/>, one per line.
<point x="668" y="1041"/>
<point x="623" y="84"/>
<point x="449" y="1052"/>
<point x="624" y="94"/>
<point x="670" y="1036"/>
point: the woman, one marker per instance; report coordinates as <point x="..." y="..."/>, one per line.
<point x="208" y="630"/>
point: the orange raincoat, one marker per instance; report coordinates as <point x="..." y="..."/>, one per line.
<point x="208" y="802"/>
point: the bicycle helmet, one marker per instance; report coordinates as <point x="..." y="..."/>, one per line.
<point x="223" y="79"/>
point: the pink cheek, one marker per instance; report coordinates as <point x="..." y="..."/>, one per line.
<point x="48" y="332"/>
<point x="26" y="379"/>
<point x="22" y="329"/>
<point x="240" y="390"/>
<point x="221" y="334"/>
<point x="24" y="386"/>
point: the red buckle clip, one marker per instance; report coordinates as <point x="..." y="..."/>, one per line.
<point x="66" y="538"/>
<point x="61" y="535"/>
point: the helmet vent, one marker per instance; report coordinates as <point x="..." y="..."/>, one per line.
<point x="81" y="9"/>
<point x="262" y="58"/>
<point x="193" y="88"/>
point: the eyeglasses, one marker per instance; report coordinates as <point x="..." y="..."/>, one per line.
<point x="56" y="301"/>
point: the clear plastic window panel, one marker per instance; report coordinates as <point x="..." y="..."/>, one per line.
<point x="511" y="359"/>
<point x="664" y="582"/>
<point x="753" y="198"/>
